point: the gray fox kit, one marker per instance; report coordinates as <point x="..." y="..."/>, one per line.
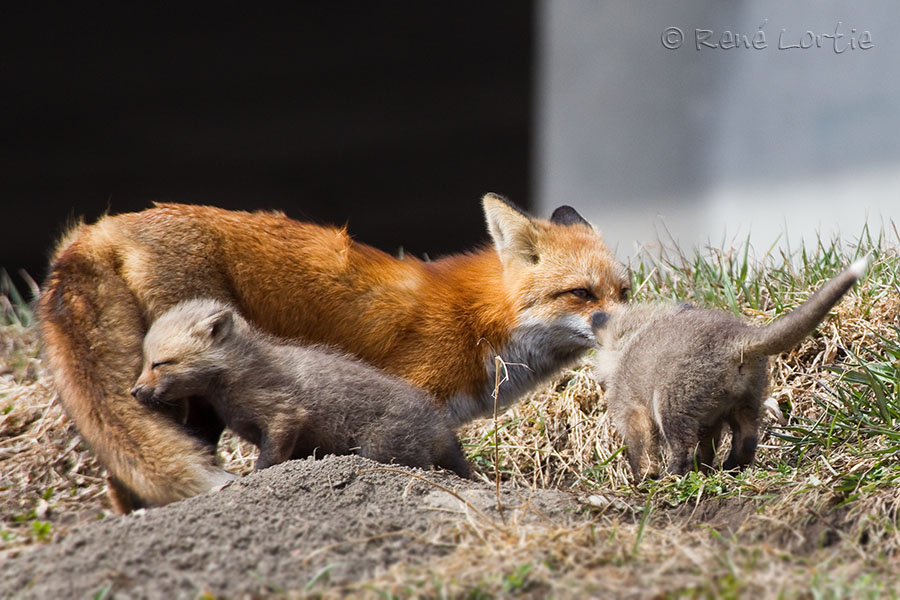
<point x="292" y="401"/>
<point x="675" y="375"/>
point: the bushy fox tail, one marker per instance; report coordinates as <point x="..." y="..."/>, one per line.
<point x="92" y="330"/>
<point x="789" y="330"/>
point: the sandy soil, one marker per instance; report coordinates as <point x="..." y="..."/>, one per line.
<point x="300" y="526"/>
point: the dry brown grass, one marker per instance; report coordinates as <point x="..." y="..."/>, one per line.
<point x="46" y="475"/>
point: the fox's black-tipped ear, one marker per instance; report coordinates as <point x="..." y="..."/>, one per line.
<point x="599" y="319"/>
<point x="566" y="215"/>
<point x="513" y="232"/>
<point x="219" y="325"/>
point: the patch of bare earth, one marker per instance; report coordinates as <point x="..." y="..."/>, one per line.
<point x="304" y="525"/>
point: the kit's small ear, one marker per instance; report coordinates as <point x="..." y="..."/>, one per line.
<point x="217" y="326"/>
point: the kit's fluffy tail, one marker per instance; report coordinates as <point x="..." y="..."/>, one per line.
<point x="786" y="332"/>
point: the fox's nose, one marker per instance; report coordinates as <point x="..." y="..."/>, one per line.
<point x="599" y="319"/>
<point x="140" y="392"/>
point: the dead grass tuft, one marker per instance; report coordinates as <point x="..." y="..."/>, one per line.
<point x="49" y="479"/>
<point x="558" y="437"/>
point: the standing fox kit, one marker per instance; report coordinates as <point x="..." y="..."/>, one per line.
<point x="439" y="324"/>
<point x="291" y="401"/>
<point x="674" y="375"/>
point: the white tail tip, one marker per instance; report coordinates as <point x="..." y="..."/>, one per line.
<point x="774" y="411"/>
<point x="858" y="268"/>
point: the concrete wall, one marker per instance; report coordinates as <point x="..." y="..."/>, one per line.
<point x="718" y="143"/>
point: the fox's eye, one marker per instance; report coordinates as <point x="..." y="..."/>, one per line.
<point x="161" y="363"/>
<point x="624" y="292"/>
<point x="580" y="293"/>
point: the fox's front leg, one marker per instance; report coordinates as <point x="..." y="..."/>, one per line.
<point x="681" y="435"/>
<point x="641" y="441"/>
<point x="277" y="442"/>
<point x="709" y="444"/>
<point x="202" y="421"/>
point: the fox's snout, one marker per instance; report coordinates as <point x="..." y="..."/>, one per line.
<point x="599" y="319"/>
<point x="142" y="393"/>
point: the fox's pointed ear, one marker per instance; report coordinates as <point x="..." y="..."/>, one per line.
<point x="513" y="232"/>
<point x="217" y="326"/>
<point x="566" y="215"/>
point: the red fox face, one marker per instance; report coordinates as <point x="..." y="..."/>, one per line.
<point x="557" y="273"/>
<point x="558" y="269"/>
<point x="182" y="354"/>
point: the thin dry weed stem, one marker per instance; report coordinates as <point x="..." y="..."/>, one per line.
<point x="498" y="365"/>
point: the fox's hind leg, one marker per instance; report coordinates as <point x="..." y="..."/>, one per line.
<point x="709" y="444"/>
<point x="123" y="500"/>
<point x="744" y="422"/>
<point x="202" y="422"/>
<point x="278" y="441"/>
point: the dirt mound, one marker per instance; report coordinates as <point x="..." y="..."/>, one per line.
<point x="301" y="525"/>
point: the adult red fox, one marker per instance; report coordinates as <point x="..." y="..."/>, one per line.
<point x="437" y="324"/>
